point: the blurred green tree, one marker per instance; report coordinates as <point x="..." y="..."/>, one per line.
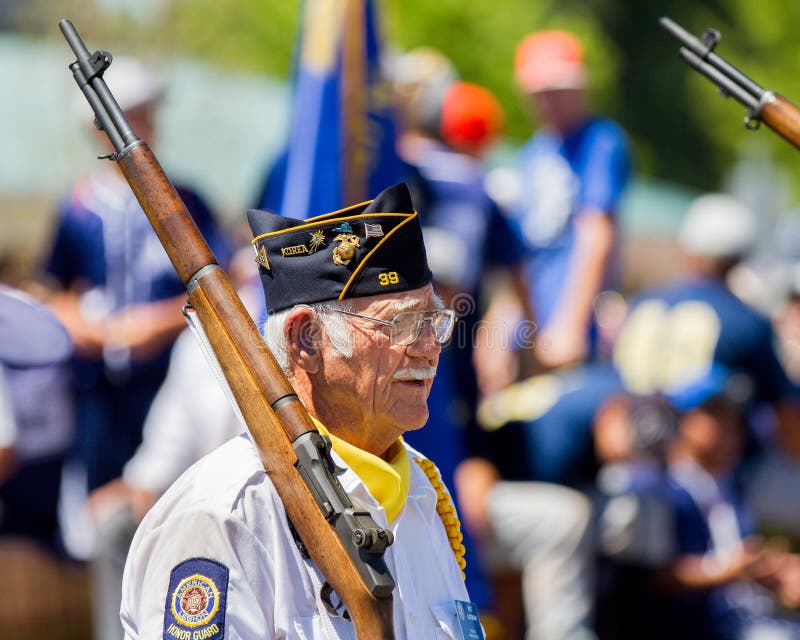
<point x="681" y="131"/>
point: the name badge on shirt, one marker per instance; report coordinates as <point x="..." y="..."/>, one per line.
<point x="468" y="620"/>
<point x="195" y="607"/>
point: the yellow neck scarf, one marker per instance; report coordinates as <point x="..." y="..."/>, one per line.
<point x="386" y="481"/>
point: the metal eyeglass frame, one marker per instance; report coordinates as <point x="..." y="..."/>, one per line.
<point x="426" y="315"/>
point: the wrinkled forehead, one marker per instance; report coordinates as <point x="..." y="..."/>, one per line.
<point x="393" y="303"/>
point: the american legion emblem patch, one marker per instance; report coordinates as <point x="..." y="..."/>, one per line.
<point x="195" y="607"/>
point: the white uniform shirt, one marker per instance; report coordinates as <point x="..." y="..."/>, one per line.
<point x="8" y="425"/>
<point x="224" y="513"/>
<point x="190" y="417"/>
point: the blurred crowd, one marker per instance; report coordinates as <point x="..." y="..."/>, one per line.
<point x="626" y="463"/>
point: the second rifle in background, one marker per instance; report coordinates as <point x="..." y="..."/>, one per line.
<point x="763" y="105"/>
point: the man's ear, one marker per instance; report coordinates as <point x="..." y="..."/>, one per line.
<point x="303" y="332"/>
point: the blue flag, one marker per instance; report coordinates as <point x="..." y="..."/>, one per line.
<point x="341" y="148"/>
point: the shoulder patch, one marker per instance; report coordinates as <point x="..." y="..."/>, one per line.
<point x="195" y="607"/>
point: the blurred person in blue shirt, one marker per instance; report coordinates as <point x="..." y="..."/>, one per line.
<point x="117" y="292"/>
<point x="675" y="529"/>
<point x="525" y="497"/>
<point x="723" y="582"/>
<point x="466" y="238"/>
<point x="118" y="295"/>
<point x="676" y="332"/>
<point x="568" y="181"/>
<point x="35" y="418"/>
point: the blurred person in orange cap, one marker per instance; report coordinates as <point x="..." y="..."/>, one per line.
<point x="549" y="67"/>
<point x="467" y="237"/>
<point x="471" y="118"/>
<point x="448" y="126"/>
<point x="563" y="196"/>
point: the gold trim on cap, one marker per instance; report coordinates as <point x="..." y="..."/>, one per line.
<point x="314" y="222"/>
<point x="342" y="210"/>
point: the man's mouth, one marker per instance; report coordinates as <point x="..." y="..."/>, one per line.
<point x="416" y="377"/>
<point x="413" y="383"/>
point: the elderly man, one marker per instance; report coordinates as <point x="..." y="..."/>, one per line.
<point x="357" y="327"/>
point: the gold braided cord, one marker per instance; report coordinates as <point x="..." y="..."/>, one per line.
<point x="446" y="511"/>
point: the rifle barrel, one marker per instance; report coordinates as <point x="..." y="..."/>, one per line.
<point x="74" y="40"/>
<point x="701" y="50"/>
<point x="727" y="85"/>
<point x="109" y="114"/>
<point x="778" y="113"/>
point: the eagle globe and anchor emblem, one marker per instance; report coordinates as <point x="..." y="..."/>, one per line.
<point x="349" y="242"/>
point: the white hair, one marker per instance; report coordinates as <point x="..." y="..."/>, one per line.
<point x="339" y="331"/>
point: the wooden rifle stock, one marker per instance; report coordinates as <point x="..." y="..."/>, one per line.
<point x="255" y="378"/>
<point x="257" y="383"/>
<point x="783" y="117"/>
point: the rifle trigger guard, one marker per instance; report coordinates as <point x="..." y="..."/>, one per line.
<point x="334" y="610"/>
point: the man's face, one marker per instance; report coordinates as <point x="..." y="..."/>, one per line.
<point x="383" y="388"/>
<point x="713" y="434"/>
<point x="561" y="109"/>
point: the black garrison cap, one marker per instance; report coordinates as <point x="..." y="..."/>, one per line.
<point x="367" y="249"/>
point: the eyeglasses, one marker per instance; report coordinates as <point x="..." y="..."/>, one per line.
<point x="406" y="327"/>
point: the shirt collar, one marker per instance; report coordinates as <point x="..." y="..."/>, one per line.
<point x="388" y="482"/>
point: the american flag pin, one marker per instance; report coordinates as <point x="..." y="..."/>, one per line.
<point x="372" y="230"/>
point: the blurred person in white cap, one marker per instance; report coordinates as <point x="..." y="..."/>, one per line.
<point x="115" y="291"/>
<point x="569" y="179"/>
<point x="420" y="80"/>
<point x="717" y="231"/>
<point x="678" y="331"/>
